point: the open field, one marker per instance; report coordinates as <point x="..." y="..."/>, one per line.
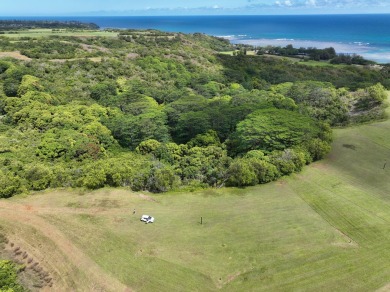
<point x="325" y="229"/>
<point x="319" y="63"/>
<point x="34" y="33"/>
<point x="292" y="59"/>
<point x="231" y="53"/>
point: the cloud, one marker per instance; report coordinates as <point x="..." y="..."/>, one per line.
<point x="265" y="7"/>
<point x="287" y="3"/>
<point x="347" y="3"/>
<point x="321" y="3"/>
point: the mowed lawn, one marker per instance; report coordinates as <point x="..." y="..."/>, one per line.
<point x="325" y="229"/>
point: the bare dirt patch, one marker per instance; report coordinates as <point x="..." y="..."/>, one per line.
<point x="32" y="274"/>
<point x="15" y="55"/>
<point x="98" y="279"/>
<point x="90" y="48"/>
<point x="232" y="277"/>
<point x="132" y="56"/>
<point x="147" y="198"/>
<point x="93" y="59"/>
<point x="385" y="288"/>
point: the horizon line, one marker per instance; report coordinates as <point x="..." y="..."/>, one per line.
<point x="185" y="15"/>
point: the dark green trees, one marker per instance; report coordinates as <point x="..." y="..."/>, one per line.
<point x="273" y="129"/>
<point x="159" y="111"/>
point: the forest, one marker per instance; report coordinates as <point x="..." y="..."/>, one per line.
<point x="12" y="25"/>
<point x="158" y="111"/>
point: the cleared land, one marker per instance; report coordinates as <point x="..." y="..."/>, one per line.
<point x="325" y="229"/>
<point x="15" y="55"/>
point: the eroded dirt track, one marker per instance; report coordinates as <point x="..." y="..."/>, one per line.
<point x="98" y="279"/>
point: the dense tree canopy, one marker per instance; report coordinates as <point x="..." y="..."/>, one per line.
<point x="273" y="129"/>
<point x="161" y="111"/>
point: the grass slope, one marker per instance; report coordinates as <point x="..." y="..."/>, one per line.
<point x="325" y="229"/>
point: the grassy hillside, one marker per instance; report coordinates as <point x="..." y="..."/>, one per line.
<point x="325" y="229"/>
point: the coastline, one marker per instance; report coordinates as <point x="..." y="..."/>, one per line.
<point x="365" y="50"/>
<point x="365" y="35"/>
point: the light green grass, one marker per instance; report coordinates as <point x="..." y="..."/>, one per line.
<point x="36" y="33"/>
<point x="319" y="63"/>
<point x="307" y="62"/>
<point x="230" y="53"/>
<point x="292" y="59"/>
<point x="325" y="229"/>
<point x="242" y="231"/>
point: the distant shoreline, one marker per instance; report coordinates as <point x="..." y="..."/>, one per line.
<point x="361" y="49"/>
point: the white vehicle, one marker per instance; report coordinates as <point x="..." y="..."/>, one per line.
<point x="147" y="219"/>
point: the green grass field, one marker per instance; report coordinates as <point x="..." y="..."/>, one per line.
<point x="295" y="60"/>
<point x="325" y="229"/>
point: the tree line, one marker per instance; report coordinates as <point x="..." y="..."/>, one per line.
<point x="32" y="24"/>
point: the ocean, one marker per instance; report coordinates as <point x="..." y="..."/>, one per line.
<point x="367" y="35"/>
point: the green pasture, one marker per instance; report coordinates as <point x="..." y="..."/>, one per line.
<point x="325" y="229"/>
<point x="295" y="60"/>
<point x="318" y="63"/>
<point x="306" y="62"/>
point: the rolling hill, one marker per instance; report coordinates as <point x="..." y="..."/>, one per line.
<point x="324" y="229"/>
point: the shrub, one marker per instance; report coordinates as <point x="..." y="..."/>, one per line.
<point x="162" y="179"/>
<point x="288" y="161"/>
<point x="10" y="184"/>
<point x="94" y="177"/>
<point x="317" y="148"/>
<point x="29" y="83"/>
<point x="241" y="173"/>
<point x="4" y="66"/>
<point x="63" y="176"/>
<point x="38" y="176"/>
<point x="8" y="277"/>
<point x="264" y="170"/>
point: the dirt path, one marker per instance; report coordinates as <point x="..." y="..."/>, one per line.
<point x="100" y="279"/>
<point x="384" y="288"/>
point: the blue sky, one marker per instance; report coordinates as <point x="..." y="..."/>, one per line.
<point x="188" y="7"/>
